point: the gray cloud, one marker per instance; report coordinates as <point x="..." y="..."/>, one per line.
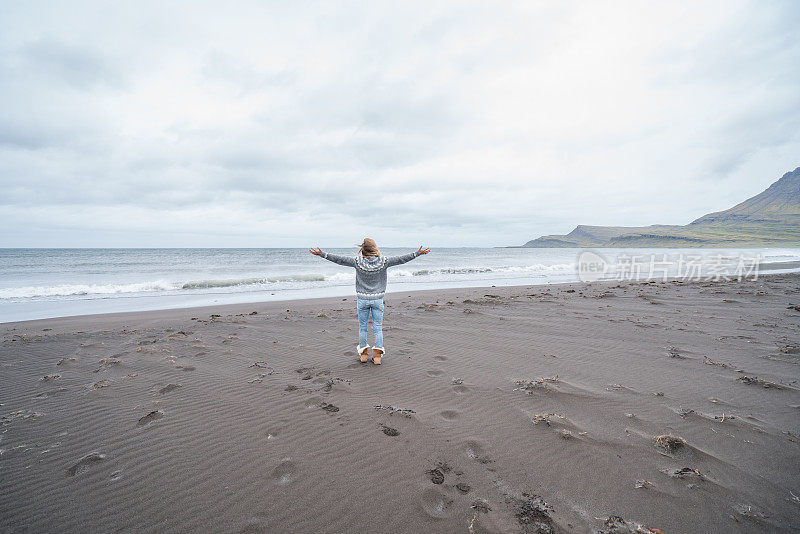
<point x="465" y="123"/>
<point x="77" y="66"/>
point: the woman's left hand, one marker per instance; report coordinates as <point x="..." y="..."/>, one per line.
<point x="424" y="250"/>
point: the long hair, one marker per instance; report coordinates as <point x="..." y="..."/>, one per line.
<point x="368" y="247"/>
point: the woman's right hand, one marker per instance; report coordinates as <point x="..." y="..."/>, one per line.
<point x="423" y="250"/>
<point x="316" y="251"/>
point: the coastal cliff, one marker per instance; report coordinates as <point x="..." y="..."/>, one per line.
<point x="771" y="218"/>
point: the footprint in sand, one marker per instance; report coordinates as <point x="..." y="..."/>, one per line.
<point x="436" y="504"/>
<point x="477" y="451"/>
<point x="436" y="475"/>
<point x="389" y="431"/>
<point x="149" y="418"/>
<point x="168" y="388"/>
<point x="314" y="402"/>
<point x="51" y="393"/>
<point x="330" y="408"/>
<point x="450" y="415"/>
<point x="254" y="525"/>
<point x="185" y="367"/>
<point x="460" y="389"/>
<point x="435" y="372"/>
<point x="463" y="487"/>
<point x="285" y="471"/>
<point x="440" y="358"/>
<point x="85" y="463"/>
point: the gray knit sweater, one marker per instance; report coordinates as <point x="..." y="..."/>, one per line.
<point x="370" y="271"/>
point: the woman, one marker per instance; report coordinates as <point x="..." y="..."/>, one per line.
<point x="371" y="268"/>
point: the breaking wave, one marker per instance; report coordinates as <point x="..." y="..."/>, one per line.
<point x="160" y="286"/>
<point x="66" y="290"/>
<point x="281" y="281"/>
<point x="208" y="284"/>
<point x="503" y="270"/>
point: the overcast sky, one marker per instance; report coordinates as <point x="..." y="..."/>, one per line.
<point x="302" y="123"/>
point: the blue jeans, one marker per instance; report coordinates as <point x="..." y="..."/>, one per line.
<point x="364" y="308"/>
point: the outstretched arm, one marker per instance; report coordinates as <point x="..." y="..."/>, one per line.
<point x="405" y="258"/>
<point x="335" y="258"/>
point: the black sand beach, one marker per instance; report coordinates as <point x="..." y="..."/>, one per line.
<point x="608" y="407"/>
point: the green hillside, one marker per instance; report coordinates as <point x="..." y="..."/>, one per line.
<point x="771" y="218"/>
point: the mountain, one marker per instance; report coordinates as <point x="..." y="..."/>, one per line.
<point x="771" y="218"/>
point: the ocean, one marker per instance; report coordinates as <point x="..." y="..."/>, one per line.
<point x="41" y="283"/>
